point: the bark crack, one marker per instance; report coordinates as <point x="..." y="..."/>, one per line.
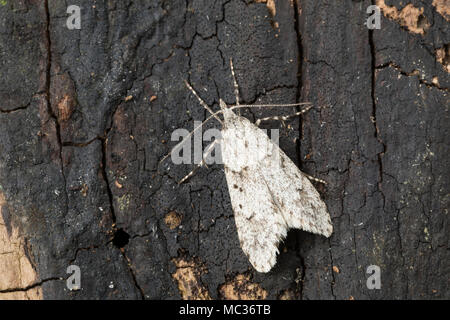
<point x="374" y="114"/>
<point x="415" y="72"/>
<point x="105" y="177"/>
<point x="15" y="109"/>
<point x="133" y="276"/>
<point x="300" y="57"/>
<point x="47" y="94"/>
<point x="31" y="286"/>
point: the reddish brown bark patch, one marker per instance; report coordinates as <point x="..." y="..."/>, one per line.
<point x="188" y="278"/>
<point x="172" y="219"/>
<point x="443" y="7"/>
<point x="62" y="93"/>
<point x="409" y="17"/>
<point x="272" y="10"/>
<point x="443" y="57"/>
<point x="270" y="6"/>
<point x="16" y="269"/>
<point x="241" y="288"/>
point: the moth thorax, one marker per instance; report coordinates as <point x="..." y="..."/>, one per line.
<point x="222" y="104"/>
<point x="244" y="148"/>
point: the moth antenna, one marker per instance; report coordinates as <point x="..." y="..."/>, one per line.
<point x="189" y="135"/>
<point x="203" y="103"/>
<point x="236" y="87"/>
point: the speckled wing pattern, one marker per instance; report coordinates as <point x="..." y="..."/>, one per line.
<point x="269" y="195"/>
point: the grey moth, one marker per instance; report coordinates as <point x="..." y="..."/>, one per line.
<point x="269" y="194"/>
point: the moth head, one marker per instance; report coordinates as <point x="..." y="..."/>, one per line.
<point x="222" y="104"/>
<point x="228" y="114"/>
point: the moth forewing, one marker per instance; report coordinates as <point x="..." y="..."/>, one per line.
<point x="269" y="194"/>
<point x="299" y="201"/>
<point x="260" y="224"/>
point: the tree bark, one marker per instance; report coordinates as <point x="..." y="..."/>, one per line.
<point x="86" y="116"/>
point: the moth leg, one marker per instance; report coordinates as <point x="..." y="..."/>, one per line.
<point x="189" y="135"/>
<point x="314" y="178"/>
<point x="282" y="118"/>
<point x="270" y="105"/>
<point x="203" y="162"/>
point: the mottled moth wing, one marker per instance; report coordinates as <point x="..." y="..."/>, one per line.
<point x="300" y="202"/>
<point x="269" y="195"/>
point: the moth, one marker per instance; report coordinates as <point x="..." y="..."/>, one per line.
<point x="269" y="194"/>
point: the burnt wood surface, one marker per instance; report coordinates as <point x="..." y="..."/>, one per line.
<point x="86" y="115"/>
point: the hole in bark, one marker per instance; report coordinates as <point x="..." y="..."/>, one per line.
<point x="121" y="238"/>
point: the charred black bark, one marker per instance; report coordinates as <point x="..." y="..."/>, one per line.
<point x="86" y="115"/>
